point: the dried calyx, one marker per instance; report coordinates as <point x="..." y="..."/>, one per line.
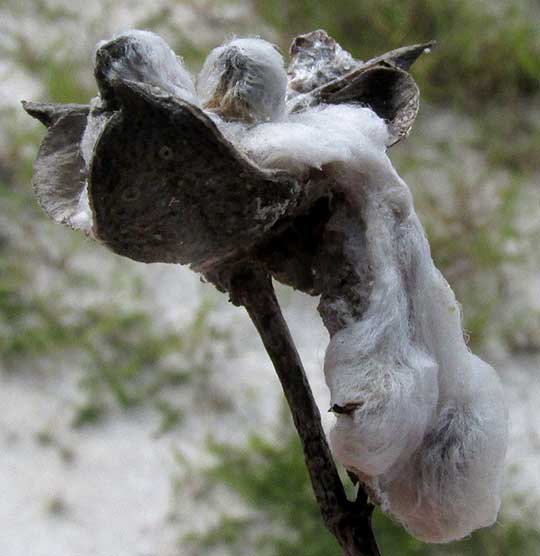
<point x="294" y="177"/>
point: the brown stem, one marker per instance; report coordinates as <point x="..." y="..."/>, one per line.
<point x="349" y="522"/>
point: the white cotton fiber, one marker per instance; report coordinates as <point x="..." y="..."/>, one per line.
<point x="285" y="146"/>
<point x="312" y="139"/>
<point x="452" y="484"/>
<point x="389" y="399"/>
<point x="149" y="59"/>
<point x="244" y="80"/>
<point x="82" y="220"/>
<point x="416" y="413"/>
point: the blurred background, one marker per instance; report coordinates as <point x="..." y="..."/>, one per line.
<point x="139" y="415"/>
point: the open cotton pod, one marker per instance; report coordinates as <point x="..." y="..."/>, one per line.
<point x="165" y="173"/>
<point x="237" y="175"/>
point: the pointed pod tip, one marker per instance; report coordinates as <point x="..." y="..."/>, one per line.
<point x="49" y="113"/>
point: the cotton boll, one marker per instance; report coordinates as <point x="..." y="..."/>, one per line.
<point x="452" y="484"/>
<point x="244" y="80"/>
<point x="145" y="57"/>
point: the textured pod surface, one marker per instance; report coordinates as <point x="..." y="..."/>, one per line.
<point x="59" y="170"/>
<point x="317" y="59"/>
<point x="166" y="186"/>
<point x="390" y="92"/>
<point x="322" y="72"/>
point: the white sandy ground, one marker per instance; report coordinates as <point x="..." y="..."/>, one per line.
<point x="113" y="493"/>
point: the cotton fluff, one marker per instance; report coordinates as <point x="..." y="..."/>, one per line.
<point x="417" y="413"/>
<point x="313" y="138"/>
<point x="451" y="486"/>
<point x="244" y="80"/>
<point x="147" y="58"/>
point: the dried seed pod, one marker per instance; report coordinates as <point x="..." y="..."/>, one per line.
<point x="418" y="417"/>
<point x="163" y="183"/>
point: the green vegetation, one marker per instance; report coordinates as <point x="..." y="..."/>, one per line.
<point x="270" y="478"/>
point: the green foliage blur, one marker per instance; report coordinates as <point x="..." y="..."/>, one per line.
<point x="487" y="53"/>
